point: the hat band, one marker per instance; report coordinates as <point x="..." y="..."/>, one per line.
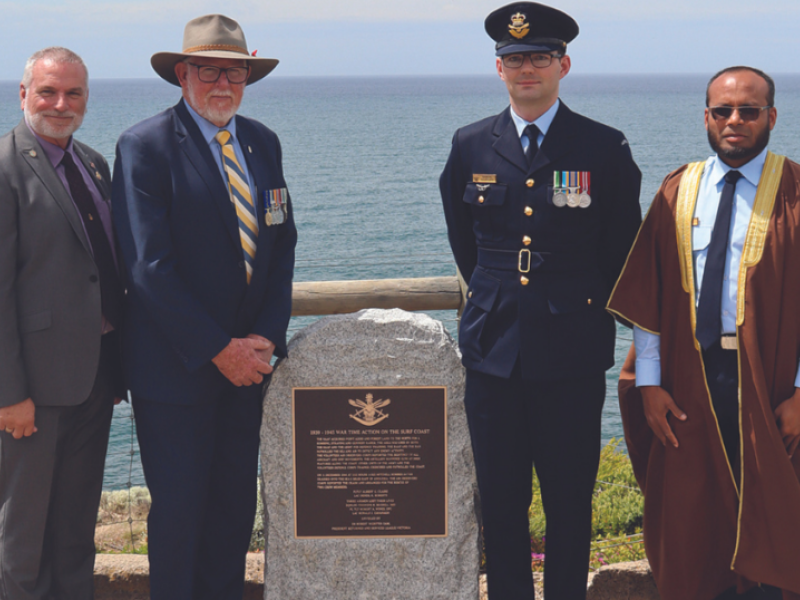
<point x="206" y="47"/>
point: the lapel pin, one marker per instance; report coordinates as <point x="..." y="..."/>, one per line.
<point x="249" y="149"/>
<point x="32" y="153"/>
<point x="97" y="174"/>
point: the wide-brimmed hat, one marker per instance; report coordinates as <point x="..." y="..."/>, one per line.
<point x="213" y="36"/>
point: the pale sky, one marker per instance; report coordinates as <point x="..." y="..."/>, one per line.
<point x="409" y="37"/>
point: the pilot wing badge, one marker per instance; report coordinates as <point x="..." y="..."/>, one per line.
<point x="369" y="411"/>
<point x="518" y="28"/>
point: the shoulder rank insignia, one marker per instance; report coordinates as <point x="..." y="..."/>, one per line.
<point x="572" y="188"/>
<point x="518" y="28"/>
<point x="276" y="207"/>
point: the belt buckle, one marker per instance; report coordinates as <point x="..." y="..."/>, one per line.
<point x="527" y="253"/>
<point x="729" y="342"/>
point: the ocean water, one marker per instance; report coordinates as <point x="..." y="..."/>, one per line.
<point x="362" y="157"/>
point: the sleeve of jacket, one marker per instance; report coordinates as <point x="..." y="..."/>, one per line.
<point x="625" y="214"/>
<point x="276" y="310"/>
<point x="141" y="194"/>
<point x="14" y="387"/>
<point x="452" y="184"/>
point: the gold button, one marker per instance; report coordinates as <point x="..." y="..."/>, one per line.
<point x="480" y="199"/>
<point x="589" y="301"/>
<point x="523" y="280"/>
<point x="470" y="294"/>
<point x="530" y="182"/>
<point x="526" y="240"/>
<point x="528" y="211"/>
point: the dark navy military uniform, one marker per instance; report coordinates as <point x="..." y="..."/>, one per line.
<point x="534" y="335"/>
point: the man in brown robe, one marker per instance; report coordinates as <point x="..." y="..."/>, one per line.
<point x="709" y="394"/>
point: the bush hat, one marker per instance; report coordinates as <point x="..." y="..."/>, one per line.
<point x="213" y="36"/>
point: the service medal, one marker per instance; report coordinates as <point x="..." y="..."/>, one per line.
<point x="573" y="200"/>
<point x="559" y="199"/>
<point x="585" y="181"/>
<point x="268" y="218"/>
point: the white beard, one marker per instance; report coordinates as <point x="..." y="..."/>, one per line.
<point x="44" y="128"/>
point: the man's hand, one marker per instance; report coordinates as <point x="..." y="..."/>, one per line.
<point x="244" y="361"/>
<point x="787" y="416"/>
<point x="657" y="405"/>
<point x="18" y="419"/>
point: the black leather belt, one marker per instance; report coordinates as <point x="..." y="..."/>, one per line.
<point x="525" y="261"/>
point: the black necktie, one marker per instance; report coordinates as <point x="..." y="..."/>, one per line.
<point x="111" y="291"/>
<point x="532" y="131"/>
<point x="709" y="319"/>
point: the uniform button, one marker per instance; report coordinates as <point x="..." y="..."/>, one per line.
<point x="526" y="240"/>
<point x="93" y="278"/>
<point x="589" y="301"/>
<point x="528" y="211"/>
<point x="480" y="199"/>
<point x="523" y="280"/>
<point x="530" y="182"/>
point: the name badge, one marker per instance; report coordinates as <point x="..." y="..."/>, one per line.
<point x="276" y="207"/>
<point x="476" y="178"/>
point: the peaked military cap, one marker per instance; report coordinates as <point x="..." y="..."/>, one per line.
<point x="528" y="27"/>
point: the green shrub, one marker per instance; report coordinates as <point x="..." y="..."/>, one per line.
<point x="617" y="511"/>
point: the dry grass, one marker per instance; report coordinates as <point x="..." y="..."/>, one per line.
<point x="122" y="521"/>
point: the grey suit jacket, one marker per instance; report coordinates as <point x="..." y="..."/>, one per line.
<point x="50" y="317"/>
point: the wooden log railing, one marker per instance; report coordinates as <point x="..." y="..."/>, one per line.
<point x="337" y="297"/>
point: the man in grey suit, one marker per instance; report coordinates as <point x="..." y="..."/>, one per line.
<point x="60" y="304"/>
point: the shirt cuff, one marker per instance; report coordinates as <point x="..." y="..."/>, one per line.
<point x="648" y="357"/>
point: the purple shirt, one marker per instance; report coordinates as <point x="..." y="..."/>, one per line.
<point x="55" y="154"/>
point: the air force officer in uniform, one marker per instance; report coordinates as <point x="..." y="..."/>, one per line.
<point x="542" y="206"/>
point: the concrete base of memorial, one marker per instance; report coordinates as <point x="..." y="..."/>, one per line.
<point x="125" y="577"/>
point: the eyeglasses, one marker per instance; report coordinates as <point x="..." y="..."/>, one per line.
<point x="540" y="61"/>
<point x="209" y="74"/>
<point x="746" y="113"/>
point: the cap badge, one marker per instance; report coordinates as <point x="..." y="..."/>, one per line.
<point x="519" y="28"/>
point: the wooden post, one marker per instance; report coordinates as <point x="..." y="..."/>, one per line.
<point x="337" y="297"/>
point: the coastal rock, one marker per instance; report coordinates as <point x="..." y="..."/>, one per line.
<point x="371" y="348"/>
<point x="628" y="580"/>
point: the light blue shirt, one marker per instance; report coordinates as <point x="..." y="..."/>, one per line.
<point x="543" y="123"/>
<point x="209" y="130"/>
<point x="648" y="345"/>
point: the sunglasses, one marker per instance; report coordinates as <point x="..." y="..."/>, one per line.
<point x="746" y="113"/>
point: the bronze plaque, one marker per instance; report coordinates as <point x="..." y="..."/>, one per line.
<point x="370" y="462"/>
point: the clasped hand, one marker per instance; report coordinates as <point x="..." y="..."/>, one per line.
<point x="18" y="419"/>
<point x="245" y="361"/>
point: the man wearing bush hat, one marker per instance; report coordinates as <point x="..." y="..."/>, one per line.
<point x="542" y="205"/>
<point x="207" y="232"/>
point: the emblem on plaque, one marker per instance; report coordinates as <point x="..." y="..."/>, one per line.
<point x="518" y="28"/>
<point x="369" y="412"/>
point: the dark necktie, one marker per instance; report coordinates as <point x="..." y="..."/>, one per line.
<point x="111" y="291"/>
<point x="709" y="319"/>
<point x="532" y="131"/>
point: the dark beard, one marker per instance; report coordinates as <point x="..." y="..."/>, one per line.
<point x="739" y="153"/>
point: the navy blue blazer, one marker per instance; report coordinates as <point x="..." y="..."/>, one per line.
<point x="546" y="308"/>
<point x="178" y="231"/>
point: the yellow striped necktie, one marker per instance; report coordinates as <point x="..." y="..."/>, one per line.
<point x="239" y="189"/>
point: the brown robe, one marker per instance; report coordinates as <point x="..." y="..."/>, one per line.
<point x="710" y="525"/>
